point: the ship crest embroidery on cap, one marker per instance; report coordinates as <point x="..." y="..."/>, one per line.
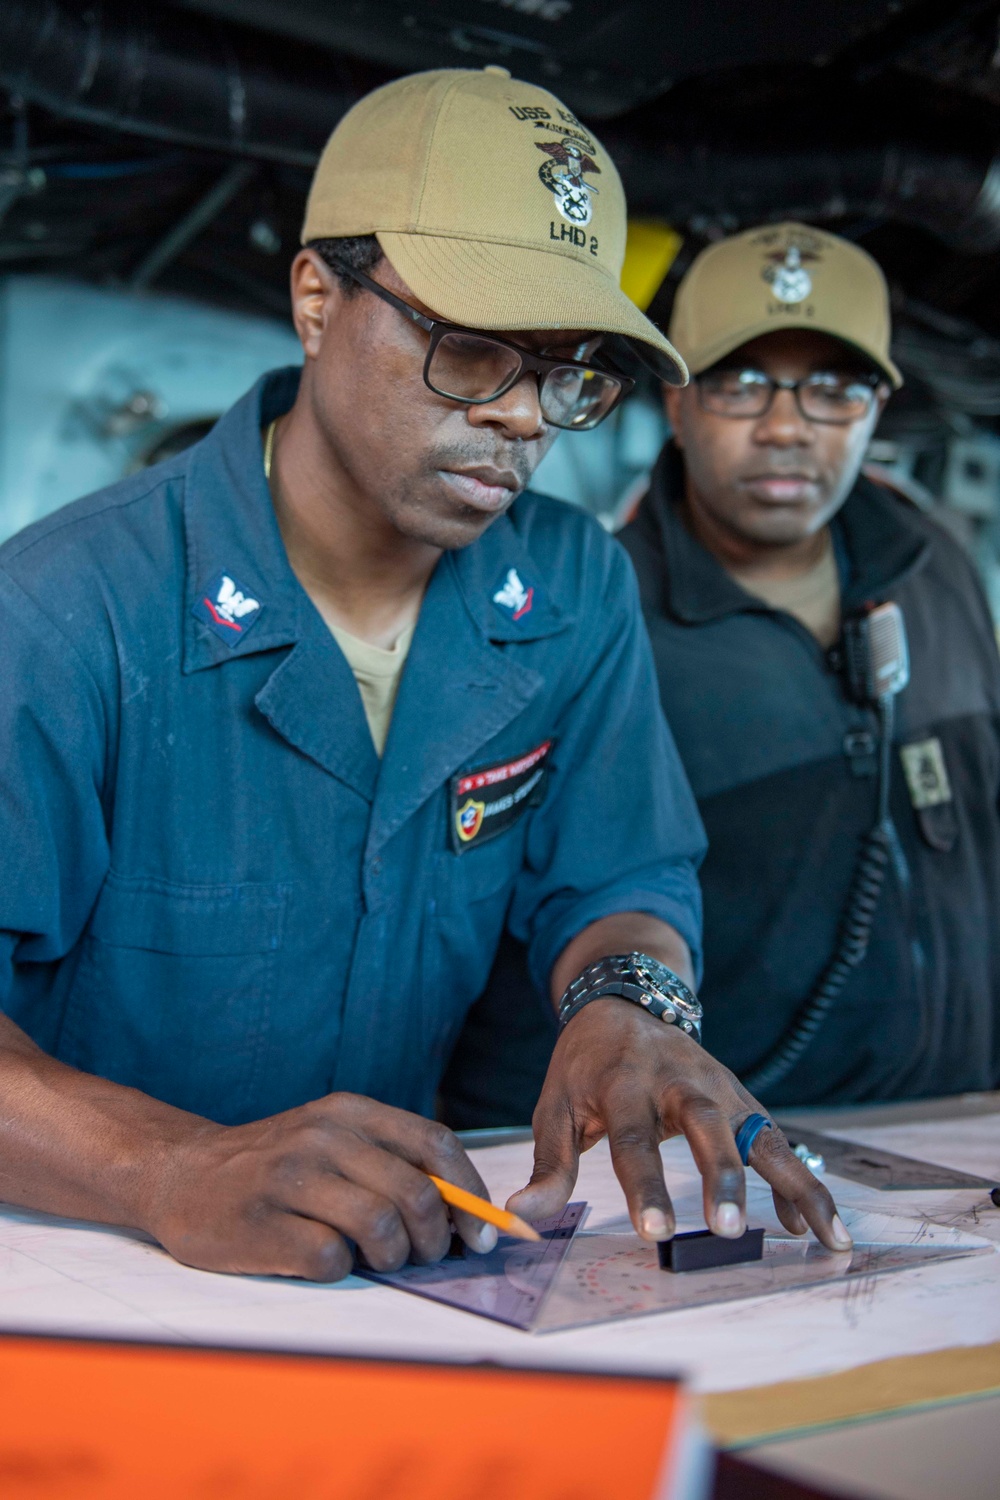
<point x="563" y="175"/>
<point x="785" y="271"/>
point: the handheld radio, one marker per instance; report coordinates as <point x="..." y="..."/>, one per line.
<point x="876" y="655"/>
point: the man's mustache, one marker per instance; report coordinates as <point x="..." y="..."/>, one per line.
<point x="487" y="455"/>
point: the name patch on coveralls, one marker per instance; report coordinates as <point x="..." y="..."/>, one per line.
<point x="488" y="801"/>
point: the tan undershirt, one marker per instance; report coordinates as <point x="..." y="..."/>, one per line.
<point x="812" y="597"/>
<point x="377" y="673"/>
<point x="376" y="670"/>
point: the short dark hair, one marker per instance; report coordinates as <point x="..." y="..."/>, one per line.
<point x="357" y="252"/>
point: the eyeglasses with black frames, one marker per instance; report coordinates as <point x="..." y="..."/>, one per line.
<point x="466" y="365"/>
<point x="828" y="397"/>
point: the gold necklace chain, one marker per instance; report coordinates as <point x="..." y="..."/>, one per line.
<point x="269" y="449"/>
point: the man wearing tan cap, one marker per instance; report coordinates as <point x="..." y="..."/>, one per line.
<point x="852" y="884"/>
<point x="293" y="726"/>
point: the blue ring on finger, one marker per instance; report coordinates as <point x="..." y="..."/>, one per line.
<point x="748" y="1133"/>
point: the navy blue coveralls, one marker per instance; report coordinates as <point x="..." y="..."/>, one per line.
<point x="213" y="890"/>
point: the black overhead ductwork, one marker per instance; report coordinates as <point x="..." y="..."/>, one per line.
<point x="954" y="195"/>
<point x="179" y="77"/>
<point x="173" y="77"/>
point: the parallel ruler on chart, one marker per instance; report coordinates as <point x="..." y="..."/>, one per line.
<point x="877" y="1168"/>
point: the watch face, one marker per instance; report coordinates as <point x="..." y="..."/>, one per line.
<point x="653" y="970"/>
<point x="667" y="986"/>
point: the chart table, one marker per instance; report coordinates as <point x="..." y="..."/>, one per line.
<point x="61" y="1277"/>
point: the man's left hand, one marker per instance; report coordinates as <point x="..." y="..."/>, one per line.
<point x="618" y="1072"/>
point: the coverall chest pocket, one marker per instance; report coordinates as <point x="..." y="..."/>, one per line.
<point x="479" y="874"/>
<point x="174" y="988"/>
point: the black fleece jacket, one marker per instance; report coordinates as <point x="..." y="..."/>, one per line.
<point x="775" y="754"/>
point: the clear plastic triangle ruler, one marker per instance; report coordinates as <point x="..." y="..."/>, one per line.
<point x="509" y="1284"/>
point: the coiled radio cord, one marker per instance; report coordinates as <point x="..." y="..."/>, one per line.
<point x="855" y="924"/>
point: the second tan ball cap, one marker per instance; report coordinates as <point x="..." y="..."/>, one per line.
<point x="496" y="206"/>
<point x="782" y="276"/>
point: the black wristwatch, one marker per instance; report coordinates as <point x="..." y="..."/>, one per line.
<point x="641" y="979"/>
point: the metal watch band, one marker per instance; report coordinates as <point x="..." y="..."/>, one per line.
<point x="642" y="980"/>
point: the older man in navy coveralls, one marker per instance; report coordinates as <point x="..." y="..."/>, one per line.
<point x="236" y="941"/>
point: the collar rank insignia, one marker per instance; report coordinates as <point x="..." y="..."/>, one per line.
<point x="227" y="608"/>
<point x="513" y="597"/>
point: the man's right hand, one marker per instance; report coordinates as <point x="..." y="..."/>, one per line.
<point x="292" y="1195"/>
<point x="285" y="1196"/>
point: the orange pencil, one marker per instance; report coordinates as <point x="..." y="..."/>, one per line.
<point x="507" y="1222"/>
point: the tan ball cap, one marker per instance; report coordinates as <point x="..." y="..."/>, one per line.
<point x="781" y="276"/>
<point x="492" y="202"/>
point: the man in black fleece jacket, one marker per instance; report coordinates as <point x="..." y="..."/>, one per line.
<point x="759" y="538"/>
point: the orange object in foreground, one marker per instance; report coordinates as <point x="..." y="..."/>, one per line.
<point x="116" y="1421"/>
<point x="457" y="1197"/>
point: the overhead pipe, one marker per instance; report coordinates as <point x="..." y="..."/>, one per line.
<point x="176" y="240"/>
<point x="197" y="82"/>
<point x="170" y="77"/>
<point x="954" y="195"/>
